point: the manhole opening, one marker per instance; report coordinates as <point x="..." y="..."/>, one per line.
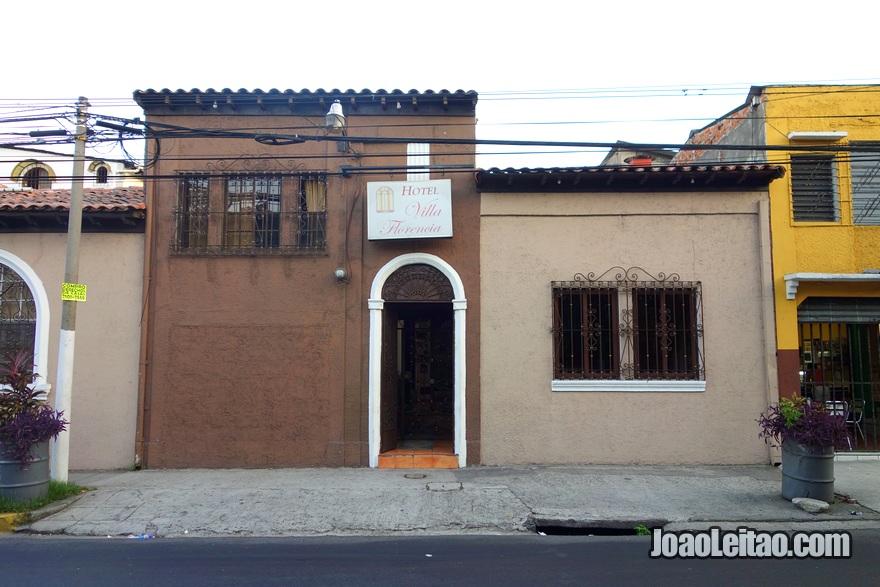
<point x="585" y="531"/>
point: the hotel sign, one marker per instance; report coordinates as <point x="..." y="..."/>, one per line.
<point x="409" y="209"/>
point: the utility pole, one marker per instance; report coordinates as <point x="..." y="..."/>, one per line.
<point x="64" y="379"/>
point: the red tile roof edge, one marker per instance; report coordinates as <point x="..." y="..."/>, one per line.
<point x="94" y="200"/>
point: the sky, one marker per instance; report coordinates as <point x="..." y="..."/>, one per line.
<point x="642" y="72"/>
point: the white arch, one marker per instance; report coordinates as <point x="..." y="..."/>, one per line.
<point x="41" y="301"/>
<point x="459" y="310"/>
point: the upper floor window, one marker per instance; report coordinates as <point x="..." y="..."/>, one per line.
<point x="632" y="327"/>
<point x="865" y="173"/>
<point x="252" y="213"/>
<point x="36" y="178"/>
<point x="192" y="215"/>
<point x="101" y="174"/>
<point x="814" y="189"/>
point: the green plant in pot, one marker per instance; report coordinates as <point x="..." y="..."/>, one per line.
<point x="808" y="433"/>
<point x="27" y="423"/>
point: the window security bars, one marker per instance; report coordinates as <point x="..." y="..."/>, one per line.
<point x="865" y="174"/>
<point x="36" y="178"/>
<point x="192" y="221"/>
<point x="251" y="214"/>
<point x="627" y="324"/>
<point x="18" y="313"/>
<point x="814" y="189"/>
<point x="840" y="366"/>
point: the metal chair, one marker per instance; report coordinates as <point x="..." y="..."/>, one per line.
<point x="856" y="418"/>
<point x="840" y="408"/>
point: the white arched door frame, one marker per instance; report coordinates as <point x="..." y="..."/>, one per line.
<point x="459" y="310"/>
<point x="41" y="301"/>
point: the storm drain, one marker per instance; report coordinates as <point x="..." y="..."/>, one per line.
<point x="580" y="531"/>
<point x="569" y="527"/>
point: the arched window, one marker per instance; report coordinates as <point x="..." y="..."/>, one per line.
<point x="37" y="178"/>
<point x="18" y="313"/>
<point x="24" y="313"/>
<point x="101" y="174"/>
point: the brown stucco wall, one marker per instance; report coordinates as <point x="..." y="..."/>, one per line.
<point x="263" y="361"/>
<point x="530" y="240"/>
<point x="104" y="393"/>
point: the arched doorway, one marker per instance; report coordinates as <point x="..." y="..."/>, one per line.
<point x="417" y="319"/>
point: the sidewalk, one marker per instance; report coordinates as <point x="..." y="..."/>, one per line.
<point x="277" y="502"/>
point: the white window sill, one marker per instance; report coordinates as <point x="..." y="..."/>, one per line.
<point x="671" y="386"/>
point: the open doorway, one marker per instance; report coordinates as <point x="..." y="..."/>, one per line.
<point x="418" y="391"/>
<point x="418" y="317"/>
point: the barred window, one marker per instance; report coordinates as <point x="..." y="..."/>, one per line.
<point x="814" y="189"/>
<point x="36" y="178"/>
<point x="312" y="213"/>
<point x="102" y="173"/>
<point x="631" y="327"/>
<point x="18" y="313"/>
<point x="253" y="214"/>
<point x="865" y="174"/>
<point x="192" y="224"/>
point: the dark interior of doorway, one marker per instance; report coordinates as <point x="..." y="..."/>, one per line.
<point x="426" y="372"/>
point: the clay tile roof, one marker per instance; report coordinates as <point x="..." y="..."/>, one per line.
<point x="305" y="102"/>
<point x="94" y="200"/>
<point x="621" y="177"/>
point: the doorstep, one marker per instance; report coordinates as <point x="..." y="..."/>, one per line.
<point x="420" y="455"/>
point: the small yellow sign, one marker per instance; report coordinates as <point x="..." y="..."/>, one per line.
<point x="75" y="292"/>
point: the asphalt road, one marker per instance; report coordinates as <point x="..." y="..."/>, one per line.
<point x="412" y="560"/>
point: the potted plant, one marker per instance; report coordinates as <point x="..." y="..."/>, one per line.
<point x="27" y="423"/>
<point x="808" y="433"/>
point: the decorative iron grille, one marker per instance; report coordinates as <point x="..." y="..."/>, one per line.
<point x="627" y="324"/>
<point x="18" y="313"/>
<point x="258" y="214"/>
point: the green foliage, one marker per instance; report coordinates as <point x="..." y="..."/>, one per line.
<point x="58" y="490"/>
<point x="792" y="410"/>
<point x="805" y="422"/>
<point x="642" y="530"/>
<point x="25" y="419"/>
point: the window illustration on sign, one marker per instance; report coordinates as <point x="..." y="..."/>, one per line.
<point x="384" y="200"/>
<point x="409" y="209"/>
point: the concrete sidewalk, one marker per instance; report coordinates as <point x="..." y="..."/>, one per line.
<point x="214" y="502"/>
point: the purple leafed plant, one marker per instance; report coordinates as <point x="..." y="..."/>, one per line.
<point x="25" y="420"/>
<point x="806" y="422"/>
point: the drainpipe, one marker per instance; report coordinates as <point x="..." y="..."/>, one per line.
<point x="769" y="313"/>
<point x="141" y="430"/>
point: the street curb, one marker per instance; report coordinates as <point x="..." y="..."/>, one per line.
<point x="10" y="522"/>
<point x="24" y="520"/>
<point x="54" y="507"/>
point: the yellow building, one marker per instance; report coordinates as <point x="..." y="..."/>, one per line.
<point x="825" y="228"/>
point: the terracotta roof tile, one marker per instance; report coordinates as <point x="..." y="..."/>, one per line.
<point x="94" y="200"/>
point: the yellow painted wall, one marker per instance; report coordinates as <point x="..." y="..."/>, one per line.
<point x="819" y="247"/>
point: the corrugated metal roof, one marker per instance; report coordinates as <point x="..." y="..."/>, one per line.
<point x="94" y="200"/>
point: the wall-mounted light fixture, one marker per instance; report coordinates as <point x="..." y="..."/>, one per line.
<point x="334" y="121"/>
<point x="342" y="275"/>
